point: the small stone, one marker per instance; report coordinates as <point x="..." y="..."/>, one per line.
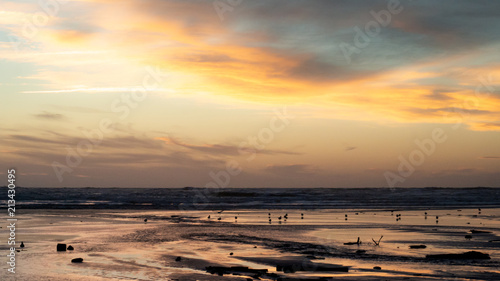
<point x="178" y="259"/>
<point x="70" y="248"/>
<point x="77" y="260"/>
<point x="61" y="247"/>
<point x="231" y="253"/>
<point x="377" y="267"/>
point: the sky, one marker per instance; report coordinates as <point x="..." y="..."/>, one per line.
<point x="250" y="93"/>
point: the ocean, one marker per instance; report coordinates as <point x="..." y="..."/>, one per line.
<point x="190" y="198"/>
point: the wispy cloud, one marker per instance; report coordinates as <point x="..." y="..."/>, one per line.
<point x="95" y="90"/>
<point x="219" y="149"/>
<point x="291" y="170"/>
<point x="50" y="116"/>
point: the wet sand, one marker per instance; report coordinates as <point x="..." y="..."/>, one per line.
<point x="119" y="245"/>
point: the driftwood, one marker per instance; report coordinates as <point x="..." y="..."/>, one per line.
<point x="479" y="231"/>
<point x="354" y="243"/>
<point x="377" y="243"/>
<point x="418" y="246"/>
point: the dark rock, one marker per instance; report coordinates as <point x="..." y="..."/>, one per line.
<point x="359" y="252"/>
<point x="221" y="270"/>
<point x="468" y="237"/>
<point x="231" y="253"/>
<point x="70" y="248"/>
<point x="303" y="279"/>
<point x="377" y="267"/>
<point x="292" y="267"/>
<point x="418" y="246"/>
<point x="472" y="255"/>
<point x="61" y="247"/>
<point x="178" y="259"/>
<point x="77" y="260"/>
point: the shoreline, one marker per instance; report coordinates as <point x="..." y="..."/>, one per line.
<point x="118" y="244"/>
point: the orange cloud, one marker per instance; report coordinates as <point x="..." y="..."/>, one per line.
<point x="206" y="55"/>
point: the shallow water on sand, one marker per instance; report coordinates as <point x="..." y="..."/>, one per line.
<point x="119" y="245"/>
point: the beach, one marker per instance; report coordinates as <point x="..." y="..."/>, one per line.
<point x="187" y="245"/>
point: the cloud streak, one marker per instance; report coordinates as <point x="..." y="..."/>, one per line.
<point x="50" y="116"/>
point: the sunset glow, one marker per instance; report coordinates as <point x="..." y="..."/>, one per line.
<point x="168" y="93"/>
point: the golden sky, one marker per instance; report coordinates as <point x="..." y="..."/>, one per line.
<point x="164" y="93"/>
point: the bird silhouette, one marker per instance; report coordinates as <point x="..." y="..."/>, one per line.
<point x="145" y="220"/>
<point x="22" y="244"/>
<point x="208" y="217"/>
